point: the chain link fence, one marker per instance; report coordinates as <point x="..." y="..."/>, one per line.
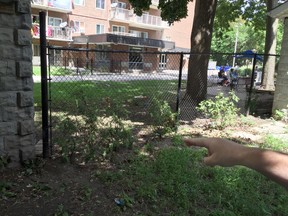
<point x="126" y="83"/>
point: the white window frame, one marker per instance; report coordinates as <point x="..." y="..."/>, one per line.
<point x="101" y="28"/>
<point x="54" y="18"/>
<point x="78" y="27"/>
<point x="121" y="5"/>
<point x="76" y="2"/>
<point x="100" y="2"/>
<point x="139" y="33"/>
<point x="119" y="28"/>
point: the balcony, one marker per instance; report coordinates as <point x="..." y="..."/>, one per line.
<point x="154" y="4"/>
<point x="124" y="38"/>
<point x="120" y="15"/>
<point x="148" y="21"/>
<point x="53" y="33"/>
<point x="62" y="6"/>
<point x="145" y="21"/>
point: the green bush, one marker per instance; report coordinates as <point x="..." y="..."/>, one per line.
<point x="222" y="110"/>
<point x="164" y="119"/>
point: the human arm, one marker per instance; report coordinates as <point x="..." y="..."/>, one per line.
<point x="226" y="153"/>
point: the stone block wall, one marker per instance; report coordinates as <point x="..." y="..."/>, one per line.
<point x="17" y="133"/>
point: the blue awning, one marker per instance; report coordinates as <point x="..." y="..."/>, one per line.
<point x="249" y="54"/>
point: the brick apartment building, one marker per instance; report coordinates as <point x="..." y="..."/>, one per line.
<point x="110" y="25"/>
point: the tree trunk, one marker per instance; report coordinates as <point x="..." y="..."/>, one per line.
<point x="270" y="48"/>
<point x="281" y="94"/>
<point x="201" y="37"/>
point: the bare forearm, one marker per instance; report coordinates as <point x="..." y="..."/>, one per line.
<point x="272" y="164"/>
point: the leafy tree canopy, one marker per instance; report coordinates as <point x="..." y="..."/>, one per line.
<point x="171" y="10"/>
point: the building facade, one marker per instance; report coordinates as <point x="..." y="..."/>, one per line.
<point x="111" y="25"/>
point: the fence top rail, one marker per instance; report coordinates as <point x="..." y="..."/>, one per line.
<point x="158" y="52"/>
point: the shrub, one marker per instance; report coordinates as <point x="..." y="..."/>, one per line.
<point x="222" y="110"/>
<point x="164" y="119"/>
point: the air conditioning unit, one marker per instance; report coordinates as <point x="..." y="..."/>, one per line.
<point x="82" y="30"/>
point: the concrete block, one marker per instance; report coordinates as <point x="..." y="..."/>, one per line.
<point x="24" y="69"/>
<point x="8" y="99"/>
<point x="6" y="36"/>
<point x="10" y="84"/>
<point x="25" y="99"/>
<point x="26" y="53"/>
<point x="8" y="128"/>
<point x="26" y="127"/>
<point x="10" y="52"/>
<point x="19" y="114"/>
<point x="27" y="84"/>
<point x="23" y="6"/>
<point x="28" y="141"/>
<point x="7" y="68"/>
<point x="26" y="153"/>
<point x="23" y="37"/>
<point x="11" y="143"/>
<point x="24" y="21"/>
<point x="16" y="84"/>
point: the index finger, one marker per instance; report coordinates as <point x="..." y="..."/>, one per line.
<point x="200" y="142"/>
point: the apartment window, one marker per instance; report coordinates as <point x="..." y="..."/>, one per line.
<point x="36" y="50"/>
<point x="35" y="18"/>
<point x="119" y="4"/>
<point x="53" y="21"/>
<point x="79" y="27"/>
<point x="139" y="34"/>
<point x="79" y="2"/>
<point x="118" y="28"/>
<point x="100" y="4"/>
<point x="99" y="29"/>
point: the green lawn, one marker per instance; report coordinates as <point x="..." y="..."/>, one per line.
<point x="55" y="71"/>
<point x="152" y="180"/>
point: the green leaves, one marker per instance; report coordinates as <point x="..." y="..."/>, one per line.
<point x="171" y="11"/>
<point x="222" y="110"/>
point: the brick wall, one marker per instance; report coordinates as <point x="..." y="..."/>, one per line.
<point x="17" y="137"/>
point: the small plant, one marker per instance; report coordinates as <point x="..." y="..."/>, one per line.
<point x="222" y="110"/>
<point x="40" y="189"/>
<point x="92" y="134"/>
<point x="246" y="120"/>
<point x="61" y="211"/>
<point x="4" y="161"/>
<point x="275" y="143"/>
<point x="164" y="120"/>
<point x="85" y="193"/>
<point x="177" y="140"/>
<point x="281" y="115"/>
<point x="33" y="166"/>
<point x="6" y="190"/>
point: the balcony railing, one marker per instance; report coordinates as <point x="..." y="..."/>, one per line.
<point x="155" y="2"/>
<point x="53" y="5"/>
<point x="54" y="32"/>
<point x="146" y="20"/>
<point x="149" y="20"/>
<point x="120" y="14"/>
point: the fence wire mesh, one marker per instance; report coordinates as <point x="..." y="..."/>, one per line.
<point x="126" y="83"/>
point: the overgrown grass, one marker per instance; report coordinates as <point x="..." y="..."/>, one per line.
<point x="175" y="182"/>
<point x="65" y="94"/>
<point x="276" y="143"/>
<point x="170" y="181"/>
